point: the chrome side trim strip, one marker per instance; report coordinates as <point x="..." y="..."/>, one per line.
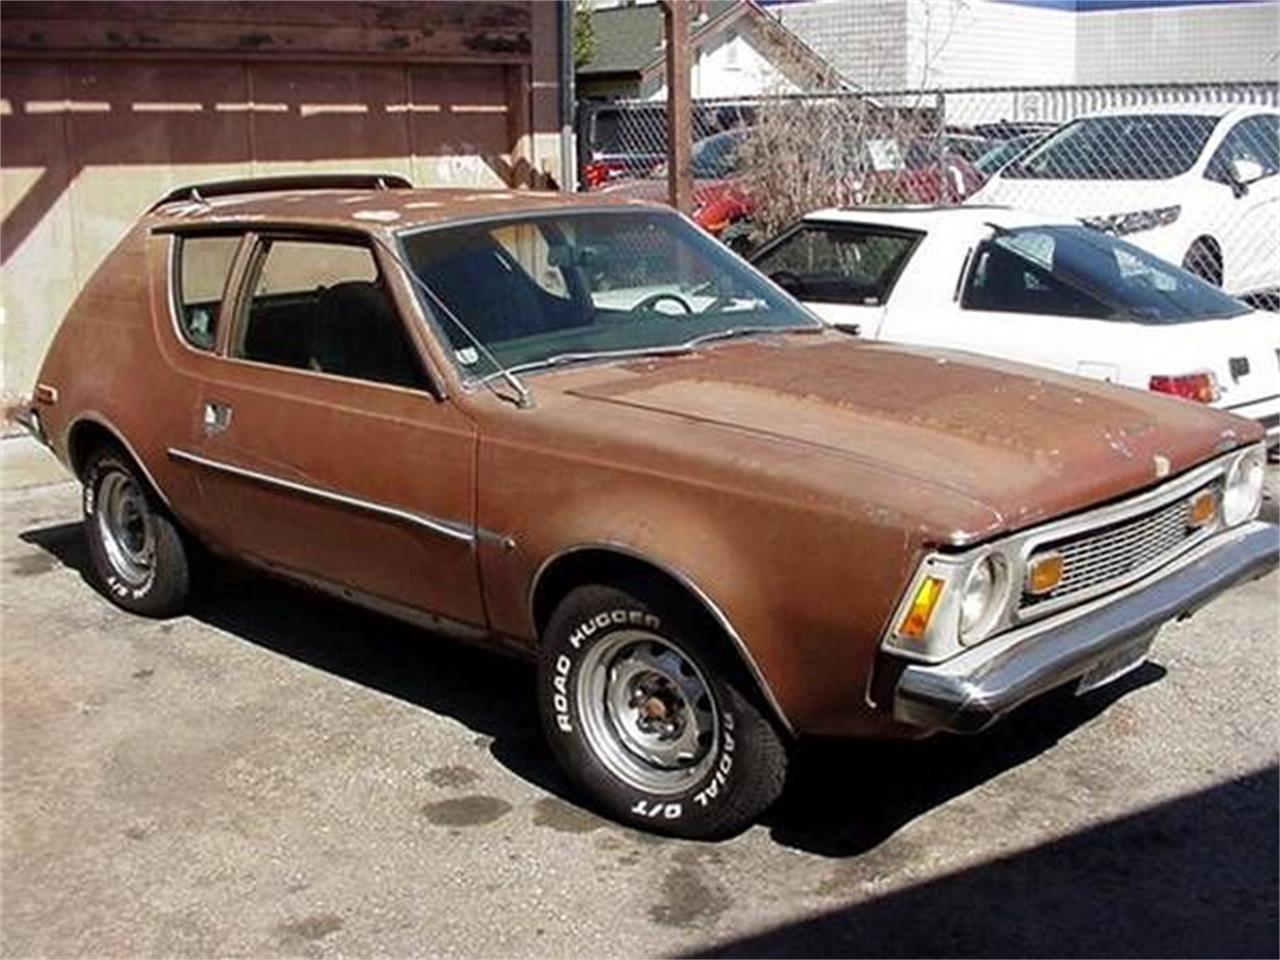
<point x="699" y="594"/>
<point x="445" y="528"/>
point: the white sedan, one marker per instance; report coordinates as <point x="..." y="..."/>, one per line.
<point x="1011" y="284"/>
<point x="1197" y="184"/>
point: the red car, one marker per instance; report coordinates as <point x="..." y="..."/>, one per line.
<point x="720" y="199"/>
<point x="927" y="174"/>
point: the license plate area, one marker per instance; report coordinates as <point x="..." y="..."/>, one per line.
<point x="1115" y="666"/>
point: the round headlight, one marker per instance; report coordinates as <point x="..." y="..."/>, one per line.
<point x="1242" y="494"/>
<point x="981" y="598"/>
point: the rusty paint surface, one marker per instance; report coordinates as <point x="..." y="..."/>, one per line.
<point x="796" y="480"/>
<point x="441" y="30"/>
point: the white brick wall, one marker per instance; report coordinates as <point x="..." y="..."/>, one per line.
<point x="889" y="44"/>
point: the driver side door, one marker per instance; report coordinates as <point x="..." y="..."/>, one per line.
<point x="326" y="451"/>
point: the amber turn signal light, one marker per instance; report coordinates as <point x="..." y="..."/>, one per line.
<point x="917" y="619"/>
<point x="1044" y="573"/>
<point x="1204" y="509"/>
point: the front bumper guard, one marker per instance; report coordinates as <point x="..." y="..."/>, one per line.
<point x="974" y="689"/>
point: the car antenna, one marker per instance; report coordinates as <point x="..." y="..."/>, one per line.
<point x="523" y="398"/>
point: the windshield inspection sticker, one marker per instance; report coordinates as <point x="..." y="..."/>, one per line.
<point x="467" y="356"/>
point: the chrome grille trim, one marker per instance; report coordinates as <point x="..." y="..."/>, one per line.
<point x="1123" y="513"/>
<point x="1106" y="557"/>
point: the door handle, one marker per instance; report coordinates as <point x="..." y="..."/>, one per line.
<point x="217" y="417"/>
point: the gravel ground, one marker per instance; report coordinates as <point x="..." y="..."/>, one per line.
<point x="281" y="775"/>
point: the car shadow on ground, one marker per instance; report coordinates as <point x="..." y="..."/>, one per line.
<point x="831" y="807"/>
<point x="1192" y="877"/>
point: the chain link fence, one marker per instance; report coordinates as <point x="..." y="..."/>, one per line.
<point x="1186" y="170"/>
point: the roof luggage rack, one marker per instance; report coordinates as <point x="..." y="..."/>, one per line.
<point x="198" y="192"/>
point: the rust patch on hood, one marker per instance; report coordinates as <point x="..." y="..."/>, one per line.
<point x="1029" y="444"/>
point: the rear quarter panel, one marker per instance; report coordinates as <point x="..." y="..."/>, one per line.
<point x="117" y="361"/>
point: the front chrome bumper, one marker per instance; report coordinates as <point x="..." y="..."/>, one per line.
<point x="974" y="689"/>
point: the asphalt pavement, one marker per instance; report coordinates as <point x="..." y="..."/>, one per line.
<point x="278" y="774"/>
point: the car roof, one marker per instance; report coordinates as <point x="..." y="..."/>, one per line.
<point x="373" y="210"/>
<point x="1199" y="108"/>
<point x="962" y="218"/>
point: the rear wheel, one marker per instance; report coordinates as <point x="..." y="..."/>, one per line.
<point x="139" y="558"/>
<point x="647" y="718"/>
<point x="1205" y="261"/>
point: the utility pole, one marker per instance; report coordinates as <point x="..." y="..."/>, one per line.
<point x="675" y="13"/>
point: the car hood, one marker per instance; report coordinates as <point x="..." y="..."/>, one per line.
<point x="1025" y="443"/>
<point x="1080" y="198"/>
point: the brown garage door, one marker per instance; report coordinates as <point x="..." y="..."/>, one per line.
<point x="88" y="144"/>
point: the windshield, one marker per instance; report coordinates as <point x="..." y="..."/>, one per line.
<point x="839" y="263"/>
<point x="998" y="156"/>
<point x="545" y="289"/>
<point x="1077" y="271"/>
<point x="1137" y="147"/>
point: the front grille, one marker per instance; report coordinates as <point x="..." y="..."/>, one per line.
<point x="1110" y="555"/>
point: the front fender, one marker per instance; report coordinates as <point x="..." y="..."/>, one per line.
<point x="805" y="593"/>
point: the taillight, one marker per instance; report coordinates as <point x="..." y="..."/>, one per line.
<point x="1200" y="387"/>
<point x="597" y="172"/>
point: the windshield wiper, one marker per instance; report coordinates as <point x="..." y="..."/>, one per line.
<point x="665" y="350"/>
<point x="582" y="356"/>
<point x="732" y="332"/>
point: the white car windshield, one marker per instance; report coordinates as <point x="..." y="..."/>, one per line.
<point x="1133" y="147"/>
<point x="540" y="290"/>
<point x="1077" y="271"/>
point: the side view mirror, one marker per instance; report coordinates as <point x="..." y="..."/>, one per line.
<point x="1244" y="172"/>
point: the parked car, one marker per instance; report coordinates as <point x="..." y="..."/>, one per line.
<point x="968" y="146"/>
<point x="721" y="201"/>
<point x="1195" y="184"/>
<point x="1005" y="152"/>
<point x="588" y="433"/>
<point x="926" y="171"/>
<point x="618" y="142"/>
<point x="1057" y="294"/>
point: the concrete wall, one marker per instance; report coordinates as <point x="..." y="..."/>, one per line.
<point x="896" y="44"/>
<point x="985" y="44"/>
<point x="92" y="131"/>
<point x="1187" y="43"/>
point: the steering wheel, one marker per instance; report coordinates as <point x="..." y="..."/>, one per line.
<point x="651" y="301"/>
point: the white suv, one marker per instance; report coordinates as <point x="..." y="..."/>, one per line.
<point x="1195" y="184"/>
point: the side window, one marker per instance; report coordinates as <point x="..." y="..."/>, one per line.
<point x="201" y="279"/>
<point x="1254" y="138"/>
<point x="839" y="264"/>
<point x="321" y="306"/>
<point x="1019" y="279"/>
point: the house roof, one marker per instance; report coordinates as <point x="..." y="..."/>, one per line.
<point x="629" y="39"/>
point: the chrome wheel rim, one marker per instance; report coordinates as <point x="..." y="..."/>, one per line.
<point x="125" y="528"/>
<point x="647" y="712"/>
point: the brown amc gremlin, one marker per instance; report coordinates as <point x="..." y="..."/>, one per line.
<point x="584" y="430"/>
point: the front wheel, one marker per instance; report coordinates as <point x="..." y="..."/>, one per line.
<point x="139" y="558"/>
<point x="647" y="718"/>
